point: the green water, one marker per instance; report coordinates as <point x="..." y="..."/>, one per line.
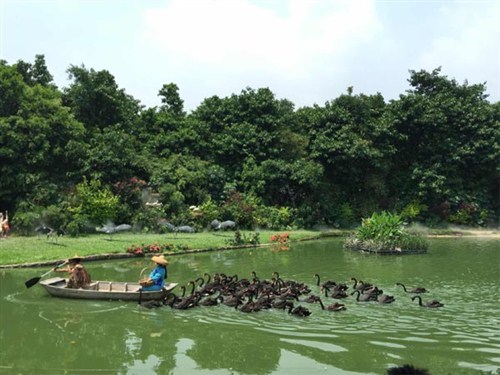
<point x="40" y="334"/>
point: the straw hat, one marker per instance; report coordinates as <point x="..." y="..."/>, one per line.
<point x="75" y="258"/>
<point x="160" y="259"/>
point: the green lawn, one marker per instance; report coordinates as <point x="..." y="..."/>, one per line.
<point x="21" y="250"/>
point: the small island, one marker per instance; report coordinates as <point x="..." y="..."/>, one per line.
<point x="385" y="233"/>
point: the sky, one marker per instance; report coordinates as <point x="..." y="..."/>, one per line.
<point x="306" y="51"/>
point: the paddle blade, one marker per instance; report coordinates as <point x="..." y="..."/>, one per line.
<point x="32" y="282"/>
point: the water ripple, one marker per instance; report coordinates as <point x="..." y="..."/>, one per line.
<point x="388" y="344"/>
<point x="327" y="347"/>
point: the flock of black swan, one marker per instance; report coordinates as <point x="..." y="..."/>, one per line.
<point x="254" y="294"/>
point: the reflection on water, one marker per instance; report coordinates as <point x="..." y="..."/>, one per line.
<point x="42" y="334"/>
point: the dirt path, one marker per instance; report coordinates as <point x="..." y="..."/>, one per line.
<point x="472" y="233"/>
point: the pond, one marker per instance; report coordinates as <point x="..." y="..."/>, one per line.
<point x="40" y="334"/>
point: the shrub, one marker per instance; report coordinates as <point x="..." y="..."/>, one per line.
<point x="130" y="191"/>
<point x="147" y="219"/>
<point x="209" y="212"/>
<point x="274" y="217"/>
<point x="412" y="211"/>
<point x="239" y="209"/>
<point x="240" y="239"/>
<point x="93" y="202"/>
<point x="25" y="219"/>
<point x="155" y="248"/>
<point x="385" y="231"/>
<point x="28" y="217"/>
<point x="280" y="241"/>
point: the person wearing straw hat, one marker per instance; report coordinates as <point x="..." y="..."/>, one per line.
<point x="79" y="277"/>
<point x="157" y="276"/>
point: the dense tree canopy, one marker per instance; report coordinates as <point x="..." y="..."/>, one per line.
<point x="432" y="154"/>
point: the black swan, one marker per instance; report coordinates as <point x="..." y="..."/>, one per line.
<point x="212" y="301"/>
<point x="416" y="290"/>
<point x="313" y="299"/>
<point x="249" y="306"/>
<point x="326" y="284"/>
<point x="281" y="304"/>
<point x="384" y="298"/>
<point x="362" y="297"/>
<point x="334" y="307"/>
<point x="299" y="311"/>
<point x="360" y="285"/>
<point x="407" y="369"/>
<point x="201" y="280"/>
<point x="431" y="304"/>
<point x="232" y="301"/>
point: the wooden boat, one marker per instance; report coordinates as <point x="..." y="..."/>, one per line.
<point x="104" y="290"/>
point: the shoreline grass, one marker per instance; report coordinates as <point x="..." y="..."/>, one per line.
<point x="29" y="250"/>
<point x="16" y="250"/>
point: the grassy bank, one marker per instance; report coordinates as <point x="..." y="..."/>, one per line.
<point x="20" y="250"/>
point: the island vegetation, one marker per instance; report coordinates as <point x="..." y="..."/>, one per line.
<point x="386" y="233"/>
<point x="80" y="156"/>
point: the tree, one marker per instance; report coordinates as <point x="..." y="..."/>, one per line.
<point x="96" y="100"/>
<point x="188" y="179"/>
<point x="249" y="124"/>
<point x="36" y="73"/>
<point x="12" y="90"/>
<point x="171" y="100"/>
<point x="42" y="144"/>
<point x="279" y="182"/>
<point x="351" y="138"/>
<point x="448" y="148"/>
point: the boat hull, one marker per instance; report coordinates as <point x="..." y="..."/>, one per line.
<point x="104" y="290"/>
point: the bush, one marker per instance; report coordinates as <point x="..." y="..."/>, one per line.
<point x="240" y="239"/>
<point x="383" y="226"/>
<point x="93" y="203"/>
<point x="209" y="212"/>
<point x="25" y="219"/>
<point x="238" y="209"/>
<point x="28" y="217"/>
<point x="385" y="231"/>
<point x="412" y="211"/>
<point x="155" y="248"/>
<point x="148" y="219"/>
<point x="274" y="217"/>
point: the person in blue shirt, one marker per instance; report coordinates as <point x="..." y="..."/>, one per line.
<point x="158" y="275"/>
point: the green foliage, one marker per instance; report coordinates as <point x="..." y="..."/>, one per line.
<point x="242" y="239"/>
<point x="25" y="219"/>
<point x="384" y="225"/>
<point x="432" y="154"/>
<point x="171" y="100"/>
<point x="147" y="219"/>
<point x="277" y="218"/>
<point x="385" y="231"/>
<point x="209" y="212"/>
<point x="93" y="203"/>
<point x="96" y="100"/>
<point x="184" y="180"/>
<point x="11" y="90"/>
<point x="238" y="208"/>
<point x="412" y="211"/>
<point x="347" y="217"/>
<point x="130" y="192"/>
<point x="42" y="148"/>
<point x="448" y="144"/>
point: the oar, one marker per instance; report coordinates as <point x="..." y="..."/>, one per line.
<point x="35" y="280"/>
